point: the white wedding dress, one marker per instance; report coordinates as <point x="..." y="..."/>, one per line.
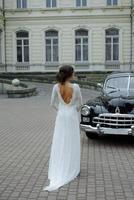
<point x="64" y="163"/>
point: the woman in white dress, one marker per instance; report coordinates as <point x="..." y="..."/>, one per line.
<point x="64" y="163"/>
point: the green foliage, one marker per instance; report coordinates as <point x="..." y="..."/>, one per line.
<point x="84" y="79"/>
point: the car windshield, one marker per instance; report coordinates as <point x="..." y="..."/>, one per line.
<point x="120" y="86"/>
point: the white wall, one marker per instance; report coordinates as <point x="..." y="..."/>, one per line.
<point x="66" y="39"/>
<point x="64" y="3"/>
<point x="1" y="23"/>
<point x="66" y="21"/>
<point x="133" y="38"/>
<point x="0" y="3"/>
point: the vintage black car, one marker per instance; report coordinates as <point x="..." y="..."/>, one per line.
<point x="113" y="111"/>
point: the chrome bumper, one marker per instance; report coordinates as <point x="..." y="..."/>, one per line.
<point x="101" y="130"/>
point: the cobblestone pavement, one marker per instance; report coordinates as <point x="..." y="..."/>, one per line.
<point x="26" y="129"/>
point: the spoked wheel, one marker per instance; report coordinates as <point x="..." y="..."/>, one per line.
<point x="91" y="135"/>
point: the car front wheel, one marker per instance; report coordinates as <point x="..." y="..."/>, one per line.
<point x="92" y="135"/>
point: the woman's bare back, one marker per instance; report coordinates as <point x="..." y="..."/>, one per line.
<point x="66" y="92"/>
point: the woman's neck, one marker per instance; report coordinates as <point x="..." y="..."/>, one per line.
<point x="65" y="83"/>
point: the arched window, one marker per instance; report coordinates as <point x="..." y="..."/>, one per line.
<point x="81" y="3"/>
<point x="81" y="45"/>
<point x="51" y="3"/>
<point x="112" y="2"/>
<point x="22" y="41"/>
<point x="112" y="44"/>
<point x="52" y="52"/>
<point x="0" y="46"/>
<point x="21" y="3"/>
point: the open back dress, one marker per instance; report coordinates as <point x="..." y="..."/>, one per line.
<point x="64" y="163"/>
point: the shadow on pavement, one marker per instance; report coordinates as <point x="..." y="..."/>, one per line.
<point x="115" y="139"/>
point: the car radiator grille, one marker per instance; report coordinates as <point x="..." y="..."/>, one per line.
<point x="114" y="120"/>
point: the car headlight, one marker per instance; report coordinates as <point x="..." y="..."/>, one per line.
<point x="85" y="110"/>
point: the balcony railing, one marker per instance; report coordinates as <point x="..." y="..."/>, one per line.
<point x="52" y="68"/>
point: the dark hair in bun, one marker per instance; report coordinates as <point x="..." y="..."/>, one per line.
<point x="64" y="73"/>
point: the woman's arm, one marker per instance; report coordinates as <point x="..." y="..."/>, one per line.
<point x="80" y="101"/>
<point x="54" y="98"/>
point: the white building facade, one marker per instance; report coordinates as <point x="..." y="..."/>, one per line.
<point x="132" y="34"/>
<point x="40" y="35"/>
<point x="1" y="35"/>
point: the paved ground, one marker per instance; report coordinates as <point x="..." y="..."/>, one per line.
<point x="26" y="129"/>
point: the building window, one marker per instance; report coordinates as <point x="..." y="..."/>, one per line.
<point x="112" y="2"/>
<point x="81" y="45"/>
<point x="0" y="46"/>
<point x="22" y="41"/>
<point x="21" y="3"/>
<point x="81" y="3"/>
<point x="112" y="44"/>
<point x="51" y="3"/>
<point x="52" y="54"/>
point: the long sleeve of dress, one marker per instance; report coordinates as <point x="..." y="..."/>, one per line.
<point x="54" y="98"/>
<point x="80" y="100"/>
